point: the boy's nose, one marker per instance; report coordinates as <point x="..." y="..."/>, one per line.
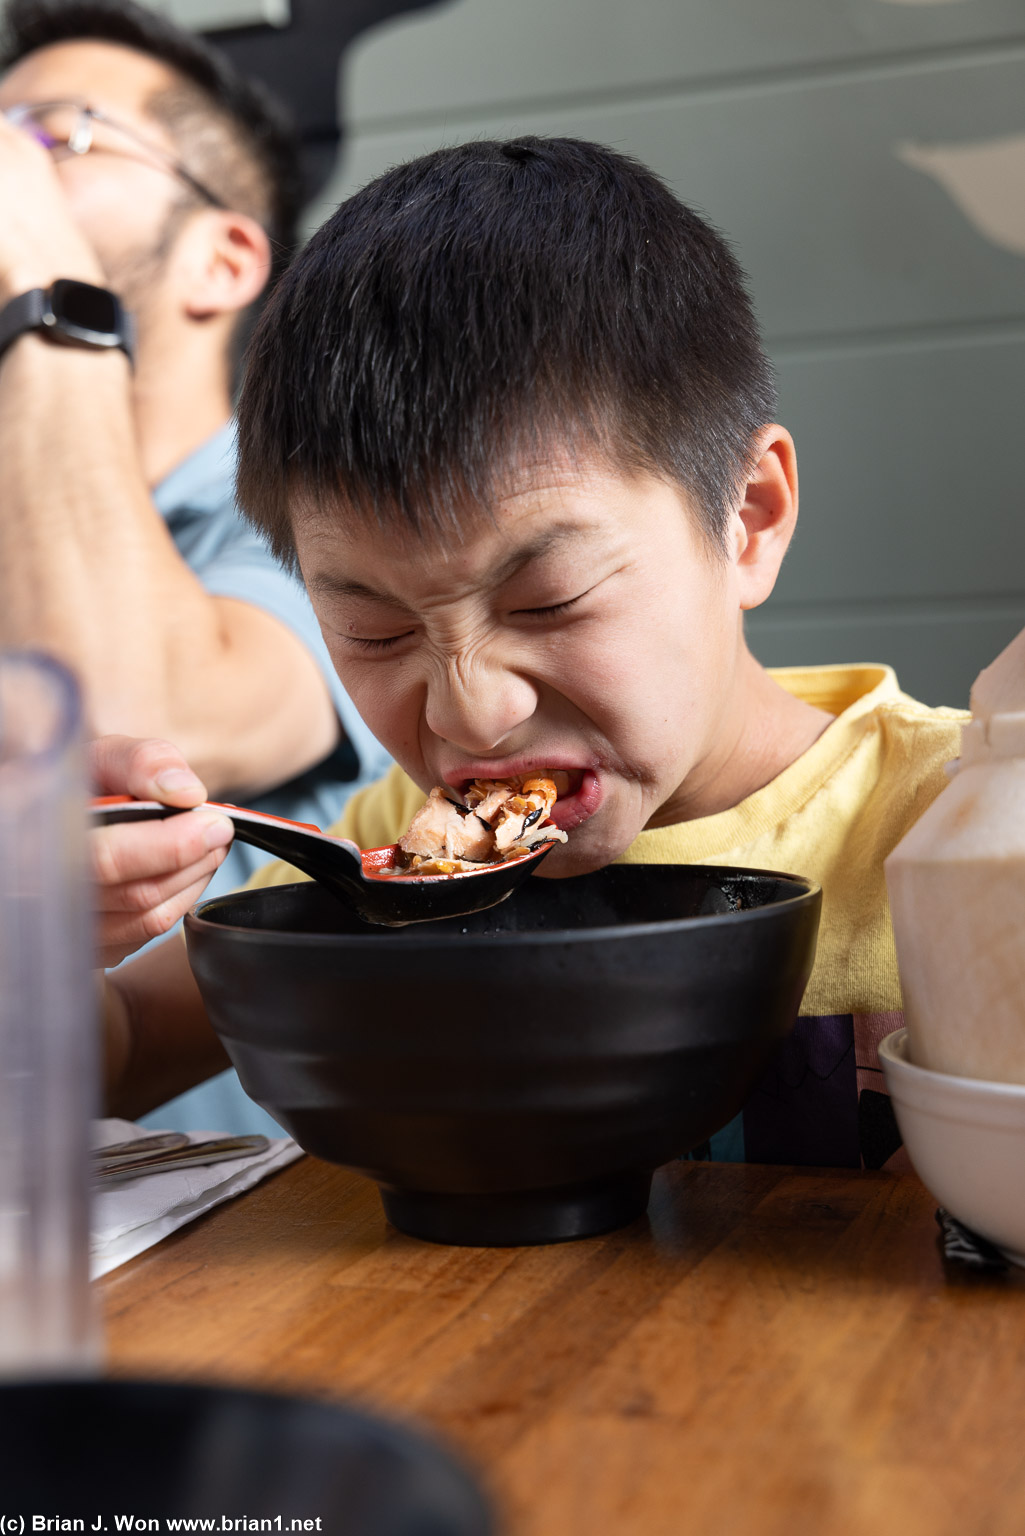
<point x="478" y="711"/>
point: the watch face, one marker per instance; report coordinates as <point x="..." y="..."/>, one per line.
<point x="85" y="308"/>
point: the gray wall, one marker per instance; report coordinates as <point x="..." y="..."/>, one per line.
<point x="867" y="158"/>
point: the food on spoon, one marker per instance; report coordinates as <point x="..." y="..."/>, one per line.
<point x="498" y="819"/>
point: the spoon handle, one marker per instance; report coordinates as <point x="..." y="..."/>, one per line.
<point x="334" y="861"/>
<point x="108" y="809"/>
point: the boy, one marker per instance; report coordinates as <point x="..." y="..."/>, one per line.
<point x="510" y="417"/>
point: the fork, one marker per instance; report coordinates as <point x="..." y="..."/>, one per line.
<point x="183" y="1153"/>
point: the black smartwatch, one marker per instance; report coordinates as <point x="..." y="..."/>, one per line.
<point x="72" y="313"/>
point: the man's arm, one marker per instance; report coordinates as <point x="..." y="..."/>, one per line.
<point x="88" y="570"/>
<point x="158" y="1039"/>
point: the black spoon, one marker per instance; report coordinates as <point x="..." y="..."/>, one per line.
<point x="356" y="876"/>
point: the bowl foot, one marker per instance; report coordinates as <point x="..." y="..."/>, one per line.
<point x="512" y="1219"/>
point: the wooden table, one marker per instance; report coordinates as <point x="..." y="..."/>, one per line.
<point x="772" y="1353"/>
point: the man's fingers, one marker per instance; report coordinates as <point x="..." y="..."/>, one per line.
<point x="156" y="850"/>
<point x="136" y="896"/>
<point x="148" y="769"/>
<point x="119" y="935"/>
<point x="149" y="873"/>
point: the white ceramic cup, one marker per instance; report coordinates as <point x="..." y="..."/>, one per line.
<point x="966" y="1140"/>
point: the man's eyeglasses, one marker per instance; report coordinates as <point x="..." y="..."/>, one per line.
<point x="69" y="128"/>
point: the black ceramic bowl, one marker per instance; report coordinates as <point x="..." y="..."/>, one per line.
<point x="105" y="1451"/>
<point x="517" y="1075"/>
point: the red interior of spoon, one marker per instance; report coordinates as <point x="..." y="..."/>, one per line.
<point x="378" y="861"/>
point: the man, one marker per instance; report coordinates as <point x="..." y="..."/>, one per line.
<point x="134" y="160"/>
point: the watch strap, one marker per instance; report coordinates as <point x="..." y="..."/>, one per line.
<point x="34" y="311"/>
<point x="24" y="313"/>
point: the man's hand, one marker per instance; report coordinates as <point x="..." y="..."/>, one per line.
<point x="39" y="239"/>
<point x="148" y="874"/>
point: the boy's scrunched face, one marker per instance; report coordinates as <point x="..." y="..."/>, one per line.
<point x="587" y="627"/>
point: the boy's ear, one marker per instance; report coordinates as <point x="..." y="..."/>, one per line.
<point x="764" y="522"/>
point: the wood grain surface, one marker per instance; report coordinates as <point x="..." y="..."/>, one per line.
<point x="771" y="1352"/>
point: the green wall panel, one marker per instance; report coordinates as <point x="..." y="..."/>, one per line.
<point x="837" y="233"/>
<point x="475" y="53"/>
<point x="910" y="466"/>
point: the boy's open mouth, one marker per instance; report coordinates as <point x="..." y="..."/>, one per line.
<point x="580" y="791"/>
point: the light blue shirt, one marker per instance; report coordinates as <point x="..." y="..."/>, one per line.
<point x="197" y="501"/>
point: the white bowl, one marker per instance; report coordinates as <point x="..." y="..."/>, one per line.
<point x="966" y="1139"/>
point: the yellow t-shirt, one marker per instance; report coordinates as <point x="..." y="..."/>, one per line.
<point x="833" y="816"/>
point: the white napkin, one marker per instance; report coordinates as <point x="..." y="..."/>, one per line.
<point x="133" y="1214"/>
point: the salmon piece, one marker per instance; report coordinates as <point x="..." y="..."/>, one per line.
<point x="441" y="829"/>
<point x="486" y="798"/>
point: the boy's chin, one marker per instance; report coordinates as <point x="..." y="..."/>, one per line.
<point x="580" y="856"/>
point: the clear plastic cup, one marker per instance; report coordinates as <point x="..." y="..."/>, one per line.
<point x="48" y="1066"/>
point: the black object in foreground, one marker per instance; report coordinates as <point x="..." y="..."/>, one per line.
<point x="354" y="876"/>
<point x="93" y="1449"/>
<point x="963" y="1246"/>
<point x="515" y="1076"/>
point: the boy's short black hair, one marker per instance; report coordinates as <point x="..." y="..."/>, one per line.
<point x="482" y="307"/>
<point x="233" y="134"/>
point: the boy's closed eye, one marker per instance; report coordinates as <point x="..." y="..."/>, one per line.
<point x="545" y="612"/>
<point x="375" y="643"/>
<point x="551" y="610"/>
